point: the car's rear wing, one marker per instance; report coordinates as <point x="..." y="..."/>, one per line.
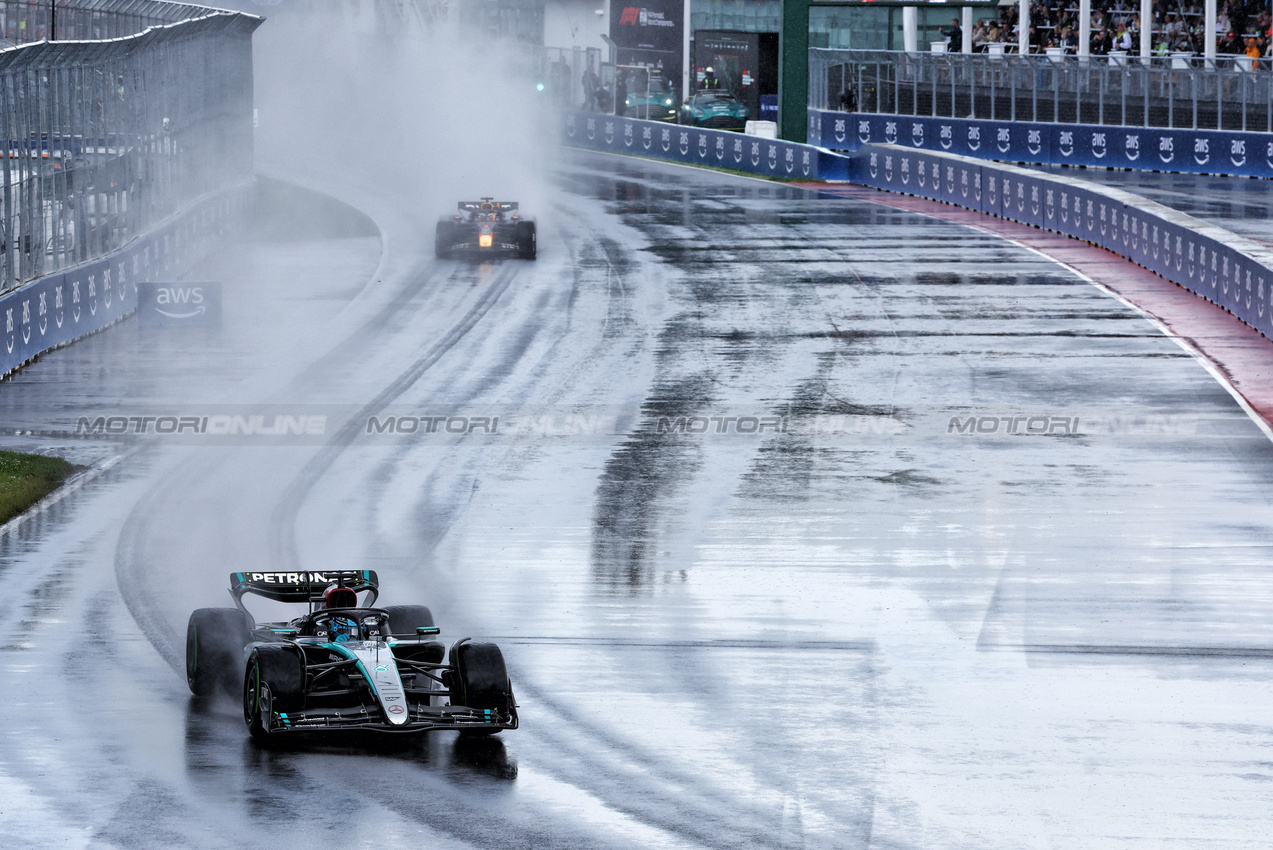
<point x="305" y="587"/>
<point x="487" y="205"/>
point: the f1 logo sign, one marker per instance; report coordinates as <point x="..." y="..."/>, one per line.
<point x="629" y="16"/>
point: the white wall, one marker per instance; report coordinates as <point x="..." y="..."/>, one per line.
<point x="575" y="23"/>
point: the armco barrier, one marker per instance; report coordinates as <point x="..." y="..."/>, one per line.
<point x="57" y="309"/>
<point x="1220" y="266"/>
<point x="695" y="146"/>
<point x="1141" y="148"/>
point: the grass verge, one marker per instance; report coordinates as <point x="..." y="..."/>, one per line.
<point x="26" y="479"/>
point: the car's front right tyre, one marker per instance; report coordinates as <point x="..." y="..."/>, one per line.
<point x="215" y="638"/>
<point x="444" y="239"/>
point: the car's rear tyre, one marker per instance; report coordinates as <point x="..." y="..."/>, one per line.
<point x="215" y="638"/>
<point x="273" y="682"/>
<point x="526" y="240"/>
<point x="480" y="680"/>
<point x="444" y="239"/>
<point x="405" y="619"/>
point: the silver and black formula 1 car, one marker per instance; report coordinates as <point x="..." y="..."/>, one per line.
<point x="484" y="228"/>
<point x="343" y="665"/>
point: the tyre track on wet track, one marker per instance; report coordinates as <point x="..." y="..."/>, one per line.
<point x="567" y="746"/>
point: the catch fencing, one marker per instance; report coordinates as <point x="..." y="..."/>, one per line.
<point x="108" y="139"/>
<point x="1173" y="92"/>
<point x="23" y="21"/>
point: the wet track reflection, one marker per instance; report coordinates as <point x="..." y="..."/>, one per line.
<point x="907" y="537"/>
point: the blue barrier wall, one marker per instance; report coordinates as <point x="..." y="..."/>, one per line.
<point x="63" y="307"/>
<point x="1188" y="151"/>
<point x="1226" y="269"/>
<point x="717" y="148"/>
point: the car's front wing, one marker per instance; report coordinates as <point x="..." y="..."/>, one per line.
<point x="420" y="718"/>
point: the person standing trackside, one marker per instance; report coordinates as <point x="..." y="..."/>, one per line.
<point x="591" y="82"/>
<point x="956" y="36"/>
<point x="620" y="93"/>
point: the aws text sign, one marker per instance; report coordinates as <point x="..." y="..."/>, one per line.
<point x="179" y="303"/>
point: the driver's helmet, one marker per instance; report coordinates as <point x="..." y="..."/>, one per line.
<point x="341" y="629"/>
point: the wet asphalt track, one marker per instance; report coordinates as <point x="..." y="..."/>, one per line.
<point x="875" y="627"/>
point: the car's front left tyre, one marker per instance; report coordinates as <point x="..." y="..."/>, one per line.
<point x="527" y="245"/>
<point x="273" y="682"/>
<point x="480" y="680"/>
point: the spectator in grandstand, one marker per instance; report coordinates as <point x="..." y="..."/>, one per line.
<point x="954" y="37"/>
<point x="1123" y="39"/>
<point x="980" y="36"/>
<point x="1230" y="45"/>
<point x="1101" y="42"/>
<point x="1037" y="39"/>
<point x="1069" y="41"/>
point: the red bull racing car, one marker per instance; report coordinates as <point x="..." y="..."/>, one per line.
<point x="343" y="664"/>
<point x="484" y="228"/>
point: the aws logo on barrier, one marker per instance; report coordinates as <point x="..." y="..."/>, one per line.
<point x="1003" y="139"/>
<point x="1065" y="143"/>
<point x="864" y="134"/>
<point x="917" y="134"/>
<point x="1034" y="141"/>
<point x="1099" y="148"/>
<point x="946" y="136"/>
<point x="890" y="132"/>
<point x="1202" y="151"/>
<point x="1237" y="152"/>
<point x="1131" y="147"/>
<point x="186" y="303"/>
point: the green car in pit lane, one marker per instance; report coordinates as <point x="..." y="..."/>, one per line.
<point x="659" y="104"/>
<point x="716" y="109"/>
